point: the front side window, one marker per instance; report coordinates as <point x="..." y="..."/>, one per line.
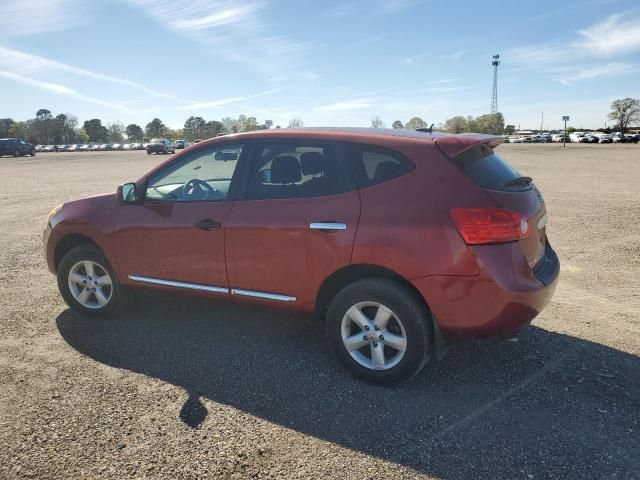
<point x="204" y="175"/>
<point x="295" y="169"/>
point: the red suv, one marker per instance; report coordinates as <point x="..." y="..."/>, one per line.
<point x="403" y="240"/>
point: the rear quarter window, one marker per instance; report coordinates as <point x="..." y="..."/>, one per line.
<point x="487" y="169"/>
<point x="372" y="165"/>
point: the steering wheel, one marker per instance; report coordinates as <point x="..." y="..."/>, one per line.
<point x="199" y="189"/>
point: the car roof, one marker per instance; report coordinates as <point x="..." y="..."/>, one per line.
<point x="451" y="144"/>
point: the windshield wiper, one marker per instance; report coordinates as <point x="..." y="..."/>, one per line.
<point x="518" y="181"/>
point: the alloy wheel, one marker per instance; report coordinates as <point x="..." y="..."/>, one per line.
<point x="90" y="284"/>
<point x="373" y="335"/>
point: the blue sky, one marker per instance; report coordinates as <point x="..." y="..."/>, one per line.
<point x="328" y="62"/>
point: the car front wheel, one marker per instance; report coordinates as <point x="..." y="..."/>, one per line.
<point x="33" y="152"/>
<point x="16" y="153"/>
<point x="88" y="284"/>
<point x="380" y="330"/>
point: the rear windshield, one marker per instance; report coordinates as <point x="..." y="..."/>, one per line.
<point x="6" y="142"/>
<point x="489" y="170"/>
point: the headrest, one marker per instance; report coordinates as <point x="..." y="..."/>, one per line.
<point x="312" y="163"/>
<point x="285" y="169"/>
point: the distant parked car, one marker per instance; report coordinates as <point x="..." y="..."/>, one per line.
<point x="116" y="146"/>
<point x="94" y="147"/>
<point x="84" y="147"/>
<point x="39" y="148"/>
<point x="160" y="145"/>
<point x="137" y="146"/>
<point x="126" y="146"/>
<point x="180" y="144"/>
<point x="16" y="147"/>
<point x="62" y="148"/>
<point x="49" y="148"/>
<point x="73" y="148"/>
<point x="106" y="146"/>
<point x="559" y="137"/>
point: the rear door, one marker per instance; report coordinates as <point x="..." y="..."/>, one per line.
<point x="296" y="224"/>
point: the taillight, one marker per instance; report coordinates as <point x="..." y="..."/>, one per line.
<point x="489" y="225"/>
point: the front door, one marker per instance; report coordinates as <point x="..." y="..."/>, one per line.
<point x="296" y="226"/>
<point x="175" y="236"/>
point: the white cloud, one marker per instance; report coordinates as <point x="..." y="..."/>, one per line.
<point x="443" y="81"/>
<point x="616" y="35"/>
<point x="610" y="69"/>
<point x="21" y="17"/>
<point x="28" y="64"/>
<point x="63" y="90"/>
<point x="357" y="104"/>
<point x="226" y="101"/>
<point x="234" y="30"/>
<point x="453" y="56"/>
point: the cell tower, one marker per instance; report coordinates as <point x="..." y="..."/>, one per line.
<point x="494" y="95"/>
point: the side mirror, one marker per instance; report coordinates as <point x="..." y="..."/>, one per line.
<point x="127" y="193"/>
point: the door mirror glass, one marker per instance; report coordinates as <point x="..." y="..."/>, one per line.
<point x="127" y="193"/>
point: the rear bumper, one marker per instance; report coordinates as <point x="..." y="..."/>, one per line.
<point x="499" y="302"/>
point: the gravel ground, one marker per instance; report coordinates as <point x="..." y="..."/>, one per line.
<point x="186" y="388"/>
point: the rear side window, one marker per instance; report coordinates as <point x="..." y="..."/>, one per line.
<point x="372" y="165"/>
<point x="487" y="169"/>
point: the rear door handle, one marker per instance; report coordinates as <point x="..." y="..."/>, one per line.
<point x="207" y="224"/>
<point x="328" y="226"/>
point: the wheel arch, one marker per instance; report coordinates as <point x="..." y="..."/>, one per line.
<point x="339" y="279"/>
<point x="69" y="242"/>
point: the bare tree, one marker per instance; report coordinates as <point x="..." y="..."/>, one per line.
<point x="625" y="111"/>
<point x="296" y="123"/>
<point x="376" y="122"/>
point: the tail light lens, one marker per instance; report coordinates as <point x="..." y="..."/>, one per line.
<point x="480" y="226"/>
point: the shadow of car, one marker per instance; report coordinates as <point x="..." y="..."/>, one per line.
<point x="549" y="405"/>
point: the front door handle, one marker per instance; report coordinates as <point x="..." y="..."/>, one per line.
<point x="207" y="224"/>
<point x="328" y="226"/>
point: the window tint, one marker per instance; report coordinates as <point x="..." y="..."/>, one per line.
<point x="487" y="169"/>
<point x="295" y="169"/>
<point x="204" y="175"/>
<point x="372" y="165"/>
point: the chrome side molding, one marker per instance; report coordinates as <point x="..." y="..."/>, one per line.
<point x="212" y="288"/>
<point x="171" y="283"/>
<point x="327" y="226"/>
<point x="265" y="295"/>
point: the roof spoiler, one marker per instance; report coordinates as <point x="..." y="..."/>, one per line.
<point x="454" y="145"/>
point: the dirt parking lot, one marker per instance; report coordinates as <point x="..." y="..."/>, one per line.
<point x="186" y="388"/>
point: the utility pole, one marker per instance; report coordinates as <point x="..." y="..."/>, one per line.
<point x="565" y="118"/>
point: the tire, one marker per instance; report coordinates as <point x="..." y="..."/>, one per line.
<point x="16" y="153"/>
<point x="114" y="296"/>
<point x="148" y="152"/>
<point x="33" y="152"/>
<point x="409" y="322"/>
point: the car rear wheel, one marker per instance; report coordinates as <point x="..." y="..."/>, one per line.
<point x="148" y="152"/>
<point x="33" y="152"/>
<point x="88" y="284"/>
<point x="380" y="330"/>
<point x="16" y="153"/>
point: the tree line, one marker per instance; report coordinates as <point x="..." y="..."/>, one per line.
<point x="65" y="129"/>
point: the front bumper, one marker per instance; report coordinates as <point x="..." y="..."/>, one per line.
<point x="499" y="302"/>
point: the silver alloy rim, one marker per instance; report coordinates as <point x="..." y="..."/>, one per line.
<point x="90" y="284"/>
<point x="373" y="335"/>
